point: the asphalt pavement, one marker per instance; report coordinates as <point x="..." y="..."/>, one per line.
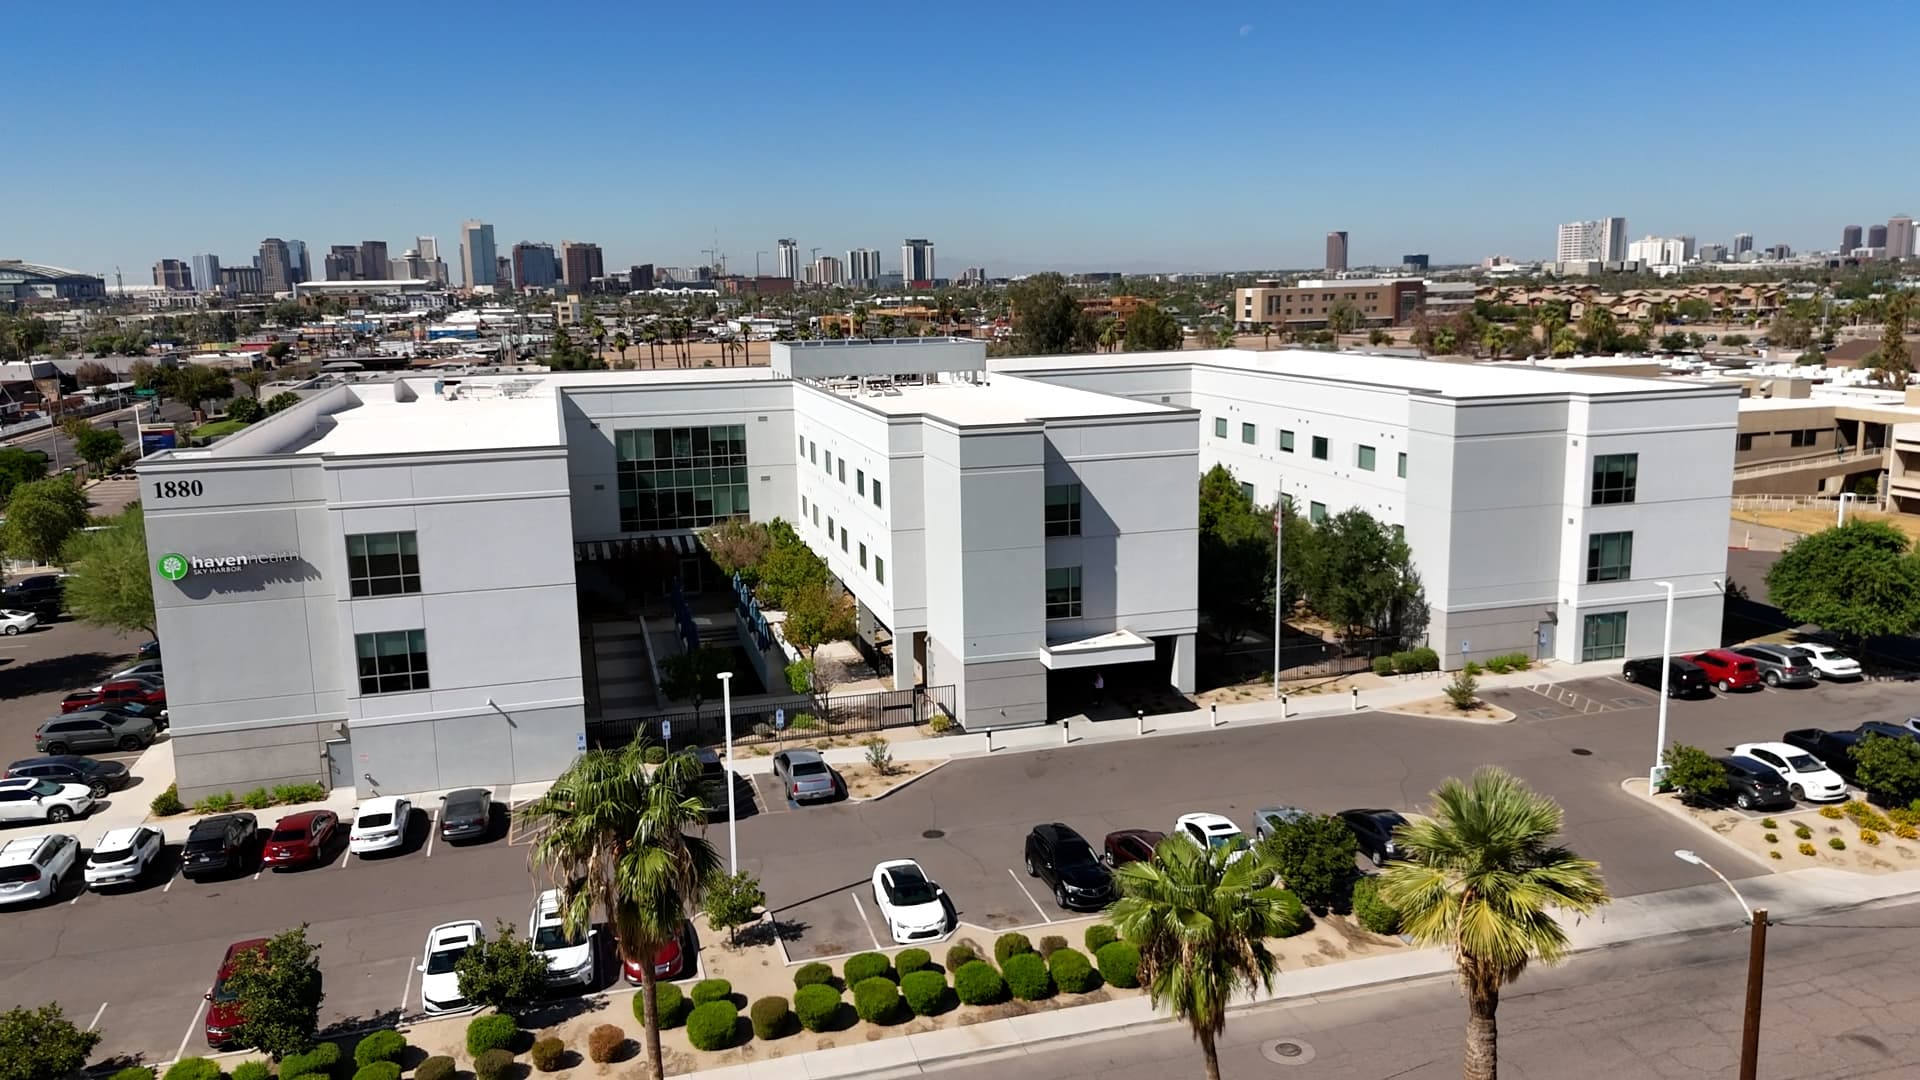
<point x="41" y="666"/>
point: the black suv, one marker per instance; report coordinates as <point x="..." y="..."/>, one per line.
<point x="98" y="777"/>
<point x="219" y="845"/>
<point x="1754" y="785"/>
<point x="1373" y="831"/>
<point x="43" y="594"/>
<point x="1687" y="679"/>
<point x="1060" y="857"/>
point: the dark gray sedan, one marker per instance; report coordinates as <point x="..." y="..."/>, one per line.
<point x="466" y="814"/>
<point x="803" y="775"/>
<point x="1781" y="665"/>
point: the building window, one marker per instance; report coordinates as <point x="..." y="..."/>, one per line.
<point x="1316" y="512"/>
<point x="1364" y="457"/>
<point x="829" y="465"/>
<point x="843" y="541"/>
<point x="863" y="556"/>
<point x="1319" y="448"/>
<point x="1403" y="466"/>
<point x="1063" y="592"/>
<point x="1247" y="434"/>
<point x="860" y="481"/>
<point x="803" y="445"/>
<point x="1286" y="442"/>
<point x="383" y="564"/>
<point x="681" y="478"/>
<point x="1063" y="510"/>
<point x="392" y="661"/>
<point x="1614" y="478"/>
<point x="1610" y="556"/>
<point x="803" y="506"/>
<point x="813" y="451"/>
<point x="816" y="515"/>
<point x="876" y="492"/>
<point x="829" y="526"/>
<point x="1746" y="442"/>
<point x="1219" y="427"/>
<point x="879" y="569"/>
<point x="1604" y="637"/>
<point x="843" y="470"/>
<point x="1247" y="490"/>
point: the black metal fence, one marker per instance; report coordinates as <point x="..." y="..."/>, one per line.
<point x="1301" y="657"/>
<point x="777" y="721"/>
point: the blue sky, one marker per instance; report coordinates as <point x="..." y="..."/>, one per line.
<point x="1017" y="136"/>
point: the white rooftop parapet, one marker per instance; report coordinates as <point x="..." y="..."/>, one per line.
<point x="883" y="356"/>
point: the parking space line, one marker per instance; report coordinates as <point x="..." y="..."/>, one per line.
<point x="407" y="990"/>
<point x="1028" y="895"/>
<point x="433" y="828"/>
<point x="863" y="920"/>
<point x="346" y="856"/>
<point x="98" y="1013"/>
<point x="171" y="878"/>
<point x="192" y="1026"/>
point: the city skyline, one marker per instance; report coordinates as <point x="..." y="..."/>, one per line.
<point x="1028" y="192"/>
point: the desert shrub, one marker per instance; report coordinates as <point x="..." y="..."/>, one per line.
<point x="1072" y="972"/>
<point x="1098" y="937"/>
<point x="1383" y="665"/>
<point x="246" y="1070"/>
<point x="1425" y="659"/>
<point x="977" y="983"/>
<point x="925" y="991"/>
<point x="194" y="1068"/>
<point x="140" y="1072"/>
<point x="380" y="1046"/>
<point x="1772" y="838"/>
<point x="668" y="999"/>
<point x="940" y="723"/>
<point x="167" y="802"/>
<point x="876" y="1000"/>
<point x="1769" y="823"/>
<point x="1906" y="832"/>
<point x="1869" y="837"/>
<point x="1802" y="832"/>
<point x="1866" y="816"/>
<point x="879" y="755"/>
<point x="548" y="1053"/>
<point x="959" y="956"/>
<point x="1027" y="976"/>
<point x="1807" y="849"/>
<point x="495" y="1031"/>
<point x="1463" y="692"/>
<point x="1051" y="944"/>
<point x="1773" y="854"/>
<point x="1374" y="913"/>
<point x="815" y="1005"/>
<point x="912" y="960"/>
<point x="605" y="1043"/>
<point x="319" y="1061"/>
<point x="1837" y="844"/>
<point x="1011" y="944"/>
<point x="1831" y="813"/>
<point x="806" y="721"/>
<point x="1497" y="665"/>
<point x="654" y="755"/>
<point x="814" y="974"/>
<point x="496" y="1064"/>
<point x="378" y="1070"/>
<point x="867" y="965"/>
<point x="299" y="793"/>
<point x="435" y="1068"/>
<point x="1697" y="775"/>
<point x="711" y="1024"/>
<point x="770" y="1017"/>
<point x="1403" y="663"/>
<point x="709" y="990"/>
<point x="1120" y="964"/>
<point x="216" y="803"/>
<point x="257" y="799"/>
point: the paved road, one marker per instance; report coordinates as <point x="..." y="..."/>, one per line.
<point x="59" y="449"/>
<point x="1841" y="996"/>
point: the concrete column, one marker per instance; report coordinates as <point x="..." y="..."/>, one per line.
<point x="1182" y="675"/>
<point x="906" y="651"/>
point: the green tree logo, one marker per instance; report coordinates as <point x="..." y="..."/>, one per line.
<point x="173" y="567"/>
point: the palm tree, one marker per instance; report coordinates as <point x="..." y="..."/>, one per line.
<point x="1201" y="921"/>
<point x="1481" y="878"/>
<point x="615" y="839"/>
<point x="1109" y="335"/>
<point x="620" y="345"/>
<point x="1223" y="337"/>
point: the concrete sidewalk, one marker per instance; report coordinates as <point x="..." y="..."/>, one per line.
<point x="1697" y="909"/>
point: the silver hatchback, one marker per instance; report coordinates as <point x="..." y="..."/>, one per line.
<point x="1780" y="665"/>
<point x="804" y="776"/>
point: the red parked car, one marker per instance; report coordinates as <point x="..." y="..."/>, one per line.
<point x="1130" y="845"/>
<point x="669" y="963"/>
<point x="115" y="692"/>
<point x="302" y="839"/>
<point x="1728" y="670"/>
<point x="223" y="1016"/>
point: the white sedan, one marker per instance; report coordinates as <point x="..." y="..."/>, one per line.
<point x="570" y="957"/>
<point x="1207" y="831"/>
<point x="380" y="824"/>
<point x="913" y="906"/>
<point x="14" y="622"/>
<point x="1829" y="662"/>
<point x="123" y="856"/>
<point x="439" y="983"/>
<point x="1808" y="778"/>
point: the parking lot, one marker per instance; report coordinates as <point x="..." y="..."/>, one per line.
<point x="41" y="666"/>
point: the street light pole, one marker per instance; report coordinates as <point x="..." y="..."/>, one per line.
<point x="1666" y="691"/>
<point x="1756" y="969"/>
<point x="1279" y="581"/>
<point x="726" y="714"/>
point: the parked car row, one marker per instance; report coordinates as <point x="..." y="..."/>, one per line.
<point x="1743" y="667"/>
<point x="1807" y="765"/>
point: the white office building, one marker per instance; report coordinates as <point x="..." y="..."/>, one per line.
<point x="380" y="586"/>
<point x="1603" y="241"/>
<point x="1662" y="251"/>
<point x="863" y="267"/>
<point x="916" y="261"/>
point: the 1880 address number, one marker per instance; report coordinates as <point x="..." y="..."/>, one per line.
<point x="178" y="489"/>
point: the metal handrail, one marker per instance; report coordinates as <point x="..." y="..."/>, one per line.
<point x="1766" y="468"/>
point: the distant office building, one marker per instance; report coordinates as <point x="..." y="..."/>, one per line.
<point x="276" y="266"/>
<point x="826" y="270"/>
<point x="502" y="272"/>
<point x="243" y="281"/>
<point x="1876" y="236"/>
<point x="640" y="278"/>
<point x="1336" y="252"/>
<point x="478" y="263"/>
<point x="428" y="248"/>
<point x="916" y="263"/>
<point x="343" y="263"/>
<point x="297" y="260"/>
<point x="173" y="274"/>
<point x="863" y="267"/>
<point x="1713" y="253"/>
<point x="973" y="275"/>
<point x="1662" y="251"/>
<point x="1849" y="238"/>
<point x="1413" y="264"/>
<point x="1600" y="241"/>
<point x="1778" y="252"/>
<point x="373" y="259"/>
<point x="789" y="253"/>
<point x="534" y="266"/>
<point x="1307" y="304"/>
<point x="1742" y="243"/>
<point x="1900" y="237"/>
<point x="206" y="272"/>
<point x="580" y="263"/>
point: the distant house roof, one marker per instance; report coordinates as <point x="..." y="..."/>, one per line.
<point x="1854" y="352"/>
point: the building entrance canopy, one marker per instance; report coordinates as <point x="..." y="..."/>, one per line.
<point x="1118" y="647"/>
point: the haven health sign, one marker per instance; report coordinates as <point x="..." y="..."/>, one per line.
<point x="175" y="567"/>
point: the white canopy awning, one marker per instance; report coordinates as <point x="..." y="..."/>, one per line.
<point x="1118" y="647"/>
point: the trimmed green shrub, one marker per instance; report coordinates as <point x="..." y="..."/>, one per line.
<point x="439" y="1067"/>
<point x="710" y="1025"/>
<point x="1051" y="944"/>
<point x="1120" y="964"/>
<point x="257" y="799"/>
<point x="1403" y="663"/>
<point x="167" y="802"/>
<point x="815" y="1005"/>
<point x="494" y="1064"/>
<point x="1027" y="976"/>
<point x="978" y="984"/>
<point x="959" y="956"/>
<point x="1008" y="945"/>
<point x="606" y="1043"/>
<point x="298" y="793"/>
<point x="1383" y="665"/>
<point x="380" y="1046"/>
<point x="867" y="965"/>
<point x="1374" y="913"/>
<point x="378" y="1070"/>
<point x="495" y="1031"/>
<point x="547" y="1054"/>
<point x="217" y="803"/>
<point x="1425" y="659"/>
<point x="668" y="998"/>
<point x="322" y="1058"/>
<point x="771" y="1017"/>
<point x="138" y="1072"/>
<point x="654" y="755"/>
<point x="925" y="991"/>
<point x="876" y="1000"/>
<point x="246" y="1070"/>
<point x="194" y="1068"/>
<point x="1098" y="935"/>
<point x="711" y="990"/>
<point x="814" y="974"/>
<point x="912" y="960"/>
<point x="1072" y="971"/>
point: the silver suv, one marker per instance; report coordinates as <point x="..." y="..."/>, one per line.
<point x="1780" y="665"/>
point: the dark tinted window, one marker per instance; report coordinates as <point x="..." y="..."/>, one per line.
<point x="1072" y="852"/>
<point x="809" y="768"/>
